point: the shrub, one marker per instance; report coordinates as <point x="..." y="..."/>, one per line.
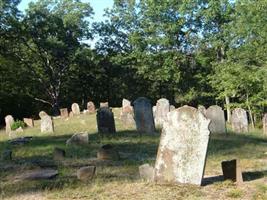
<point x="17" y="124"/>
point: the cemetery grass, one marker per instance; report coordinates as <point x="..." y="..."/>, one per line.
<point x="120" y="179"/>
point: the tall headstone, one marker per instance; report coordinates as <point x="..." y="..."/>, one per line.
<point x="183" y="147"/>
<point x="29" y="122"/>
<point x="105" y="121"/>
<point x="126" y="115"/>
<point x="162" y="109"/>
<point x="216" y="115"/>
<point x="104" y="104"/>
<point x="47" y="125"/>
<point x="64" y="113"/>
<point x="9" y="120"/>
<point x="42" y="114"/>
<point x="264" y="123"/>
<point x="75" y="109"/>
<point x="239" y="120"/>
<point x="91" y="107"/>
<point x="143" y="115"/>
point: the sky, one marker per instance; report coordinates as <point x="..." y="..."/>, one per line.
<point x="98" y="6"/>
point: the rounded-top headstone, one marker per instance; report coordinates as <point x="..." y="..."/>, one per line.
<point x="216" y="115"/>
<point x="42" y="114"/>
<point x="162" y="109"/>
<point x="239" y="120"/>
<point x="143" y="115"/>
<point x="91" y="107"/>
<point x="75" y="109"/>
<point x="47" y="125"/>
<point x="9" y="120"/>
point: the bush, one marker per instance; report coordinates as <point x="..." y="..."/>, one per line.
<point x="17" y="124"/>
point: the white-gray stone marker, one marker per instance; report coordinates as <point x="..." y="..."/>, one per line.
<point x="216" y="115"/>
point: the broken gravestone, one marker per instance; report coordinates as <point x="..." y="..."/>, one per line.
<point x="47" y="125"/>
<point x="9" y="120"/>
<point x="232" y="171"/>
<point x="264" y="123"/>
<point x="143" y="115"/>
<point x="105" y="120"/>
<point x="75" y="109"/>
<point x="29" y="122"/>
<point x="126" y="115"/>
<point x="183" y="147"/>
<point x="78" y="139"/>
<point x="86" y="173"/>
<point x="216" y="115"/>
<point x="162" y="109"/>
<point x="239" y="120"/>
<point x="64" y="113"/>
<point x="91" y="107"/>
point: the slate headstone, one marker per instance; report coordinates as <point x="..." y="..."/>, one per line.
<point x="232" y="171"/>
<point x="183" y="146"/>
<point x="105" y="120"/>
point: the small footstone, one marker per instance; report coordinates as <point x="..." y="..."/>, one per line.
<point x="86" y="173"/>
<point x="59" y="154"/>
<point x="7" y="155"/>
<point x="232" y="171"/>
<point x="146" y="172"/>
<point x="107" y="152"/>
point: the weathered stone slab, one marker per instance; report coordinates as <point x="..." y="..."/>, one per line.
<point x="264" y="124"/>
<point x="162" y="109"/>
<point x="9" y="120"/>
<point x="38" y="174"/>
<point x="216" y="115"/>
<point x="105" y="120"/>
<point x="239" y="120"/>
<point x="108" y="152"/>
<point x="183" y="146"/>
<point x="42" y="114"/>
<point x="75" y="109"/>
<point x="143" y="115"/>
<point x="86" y="173"/>
<point x="126" y="115"/>
<point x="64" y="113"/>
<point x="29" y="122"/>
<point x="91" y="107"/>
<point x="78" y="139"/>
<point x="232" y="171"/>
<point x="146" y="172"/>
<point x="47" y="125"/>
<point x="104" y="104"/>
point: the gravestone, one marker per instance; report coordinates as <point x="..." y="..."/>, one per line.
<point x="91" y="107"/>
<point x="232" y="171"/>
<point x="216" y="115"/>
<point x="264" y="123"/>
<point x="71" y="114"/>
<point x="75" y="109"/>
<point x="47" y="125"/>
<point x="104" y="104"/>
<point x="78" y="139"/>
<point x="105" y="120"/>
<point x="64" y="113"/>
<point x="239" y="120"/>
<point x="126" y="115"/>
<point x="162" y="109"/>
<point x="108" y="152"/>
<point x="146" y="172"/>
<point x="202" y="109"/>
<point x="86" y="173"/>
<point x="143" y="115"/>
<point x="9" y="120"/>
<point x="42" y="114"/>
<point x="183" y="146"/>
<point x="29" y="122"/>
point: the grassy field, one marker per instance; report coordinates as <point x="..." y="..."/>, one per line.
<point x="120" y="179"/>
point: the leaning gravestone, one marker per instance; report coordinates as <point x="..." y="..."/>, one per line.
<point x="183" y="147"/>
<point x="9" y="120"/>
<point x="105" y="120"/>
<point x="47" y="125"/>
<point x="64" y="113"/>
<point x="162" y="109"/>
<point x="264" y="123"/>
<point x="29" y="122"/>
<point x="143" y="115"/>
<point x="216" y="115"/>
<point x="126" y="115"/>
<point x="91" y="107"/>
<point x="75" y="109"/>
<point x="239" y="120"/>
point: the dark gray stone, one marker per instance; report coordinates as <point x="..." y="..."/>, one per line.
<point x="232" y="171"/>
<point x="105" y="121"/>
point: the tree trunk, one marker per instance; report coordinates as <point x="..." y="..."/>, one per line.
<point x="250" y="114"/>
<point x="227" y="102"/>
